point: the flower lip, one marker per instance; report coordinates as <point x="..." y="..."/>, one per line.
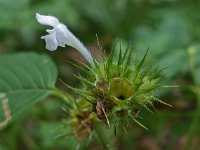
<point x="47" y="20"/>
<point x="51" y="42"/>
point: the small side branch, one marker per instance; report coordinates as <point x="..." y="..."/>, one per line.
<point x="7" y="113"/>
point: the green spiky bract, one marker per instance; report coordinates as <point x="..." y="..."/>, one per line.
<point x="115" y="89"/>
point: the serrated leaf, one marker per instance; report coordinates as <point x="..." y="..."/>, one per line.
<point x="25" y="79"/>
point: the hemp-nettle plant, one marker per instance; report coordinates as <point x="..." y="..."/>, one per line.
<point x="114" y="89"/>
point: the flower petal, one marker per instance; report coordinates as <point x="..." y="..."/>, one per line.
<point x="63" y="35"/>
<point x="51" y="42"/>
<point x="47" y="20"/>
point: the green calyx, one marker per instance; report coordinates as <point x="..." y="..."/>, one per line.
<point x="115" y="89"/>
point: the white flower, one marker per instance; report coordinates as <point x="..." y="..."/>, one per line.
<point x="61" y="36"/>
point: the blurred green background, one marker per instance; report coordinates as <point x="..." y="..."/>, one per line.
<point x="169" y="28"/>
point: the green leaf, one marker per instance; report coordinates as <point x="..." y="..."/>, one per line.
<point x="25" y="79"/>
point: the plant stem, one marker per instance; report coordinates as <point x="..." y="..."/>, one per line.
<point x="195" y="122"/>
<point x="194" y="125"/>
<point x="63" y="96"/>
<point x="102" y="137"/>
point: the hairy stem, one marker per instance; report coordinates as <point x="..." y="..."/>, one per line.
<point x="195" y="122"/>
<point x="102" y="137"/>
<point x="64" y="96"/>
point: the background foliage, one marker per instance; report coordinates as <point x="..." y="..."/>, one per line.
<point x="170" y="28"/>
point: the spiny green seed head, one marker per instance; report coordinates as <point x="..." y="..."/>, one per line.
<point x="117" y="89"/>
<point x="80" y="121"/>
